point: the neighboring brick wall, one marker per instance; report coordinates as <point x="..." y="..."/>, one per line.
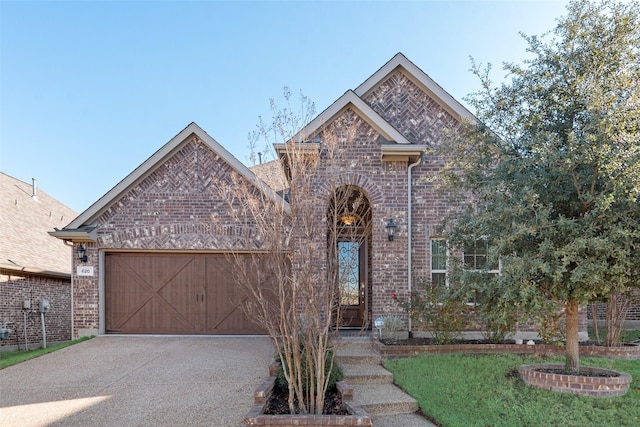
<point x="177" y="207"/>
<point x="14" y="289"/>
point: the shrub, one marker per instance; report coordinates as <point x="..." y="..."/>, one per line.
<point x="496" y="325"/>
<point x="392" y="323"/>
<point x="437" y="310"/>
<point x="550" y="326"/>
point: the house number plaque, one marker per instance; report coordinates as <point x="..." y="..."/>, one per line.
<point x="85" y="270"/>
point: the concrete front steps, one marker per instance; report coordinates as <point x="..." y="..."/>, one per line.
<point x="373" y="387"/>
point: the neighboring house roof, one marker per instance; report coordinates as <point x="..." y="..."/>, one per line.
<point x="26" y="215"/>
<point x="82" y="229"/>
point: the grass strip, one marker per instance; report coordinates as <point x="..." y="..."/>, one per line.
<point x="485" y="390"/>
<point x="10" y="358"/>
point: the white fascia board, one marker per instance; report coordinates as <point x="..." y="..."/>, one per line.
<point x="75" y="235"/>
<point x="399" y="60"/>
<point x="350" y="98"/>
<point x="303" y="147"/>
<point x="392" y="149"/>
<point x="155" y="161"/>
<point x="409" y="152"/>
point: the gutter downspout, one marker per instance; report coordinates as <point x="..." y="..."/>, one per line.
<point x="409" y="236"/>
<point x="66" y="242"/>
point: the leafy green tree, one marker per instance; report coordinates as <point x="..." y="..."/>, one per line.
<point x="553" y="165"/>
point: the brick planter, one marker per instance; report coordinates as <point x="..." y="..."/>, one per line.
<point x="614" y="384"/>
<point x="357" y="416"/>
<point x="627" y="352"/>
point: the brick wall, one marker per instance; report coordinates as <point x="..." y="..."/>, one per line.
<point x="359" y="164"/>
<point x="422" y="121"/>
<point x="14" y="289"/>
<point x="176" y="207"/>
<point x="401" y="102"/>
<point x="633" y="314"/>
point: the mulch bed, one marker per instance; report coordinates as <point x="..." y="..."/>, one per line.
<point x="278" y="403"/>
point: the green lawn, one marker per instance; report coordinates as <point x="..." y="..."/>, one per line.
<point x="10" y="358"/>
<point x="465" y="390"/>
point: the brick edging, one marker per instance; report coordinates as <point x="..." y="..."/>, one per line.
<point x="594" y="386"/>
<point x="255" y="417"/>
<point x="628" y="352"/>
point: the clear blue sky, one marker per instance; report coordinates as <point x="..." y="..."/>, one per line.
<point x="91" y="89"/>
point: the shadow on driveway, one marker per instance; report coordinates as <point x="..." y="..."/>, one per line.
<point x="137" y="381"/>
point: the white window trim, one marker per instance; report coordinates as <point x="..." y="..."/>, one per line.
<point x="439" y="271"/>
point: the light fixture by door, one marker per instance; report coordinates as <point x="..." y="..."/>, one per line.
<point x="82" y="253"/>
<point x="348" y="219"/>
<point x="391" y="229"/>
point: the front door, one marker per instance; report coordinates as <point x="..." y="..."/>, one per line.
<point x="352" y="256"/>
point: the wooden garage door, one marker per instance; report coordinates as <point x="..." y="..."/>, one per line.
<point x="173" y="294"/>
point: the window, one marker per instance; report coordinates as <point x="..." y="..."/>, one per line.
<point x="349" y="272"/>
<point x="475" y="258"/>
<point x="439" y="262"/>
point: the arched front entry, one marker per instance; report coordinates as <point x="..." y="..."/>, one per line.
<point x="349" y="238"/>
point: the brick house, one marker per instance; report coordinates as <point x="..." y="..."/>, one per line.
<point x="156" y="263"/>
<point x="33" y="266"/>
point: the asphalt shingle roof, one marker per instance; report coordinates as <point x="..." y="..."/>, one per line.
<point x="271" y="173"/>
<point x="24" y="223"/>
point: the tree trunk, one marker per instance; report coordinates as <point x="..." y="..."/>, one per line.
<point x="594" y="317"/>
<point x="617" y="309"/>
<point x="572" y="362"/>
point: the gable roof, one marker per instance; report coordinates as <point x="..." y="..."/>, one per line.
<point x="82" y="228"/>
<point x="435" y="90"/>
<point x="26" y="215"/>
<point x="396" y="144"/>
<point x="350" y="99"/>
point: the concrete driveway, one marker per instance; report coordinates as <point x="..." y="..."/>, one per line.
<point x="137" y="381"/>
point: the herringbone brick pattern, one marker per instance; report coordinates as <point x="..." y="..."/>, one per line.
<point x="411" y="110"/>
<point x="176" y="207"/>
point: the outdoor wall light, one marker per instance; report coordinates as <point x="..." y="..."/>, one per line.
<point x="391" y="229"/>
<point x="348" y="219"/>
<point x="82" y="253"/>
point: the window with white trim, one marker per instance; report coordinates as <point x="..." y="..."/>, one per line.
<point x="439" y="262"/>
<point x="475" y="258"/>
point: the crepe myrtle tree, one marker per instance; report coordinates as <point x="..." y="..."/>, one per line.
<point x="284" y="286"/>
<point x="553" y="166"/>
